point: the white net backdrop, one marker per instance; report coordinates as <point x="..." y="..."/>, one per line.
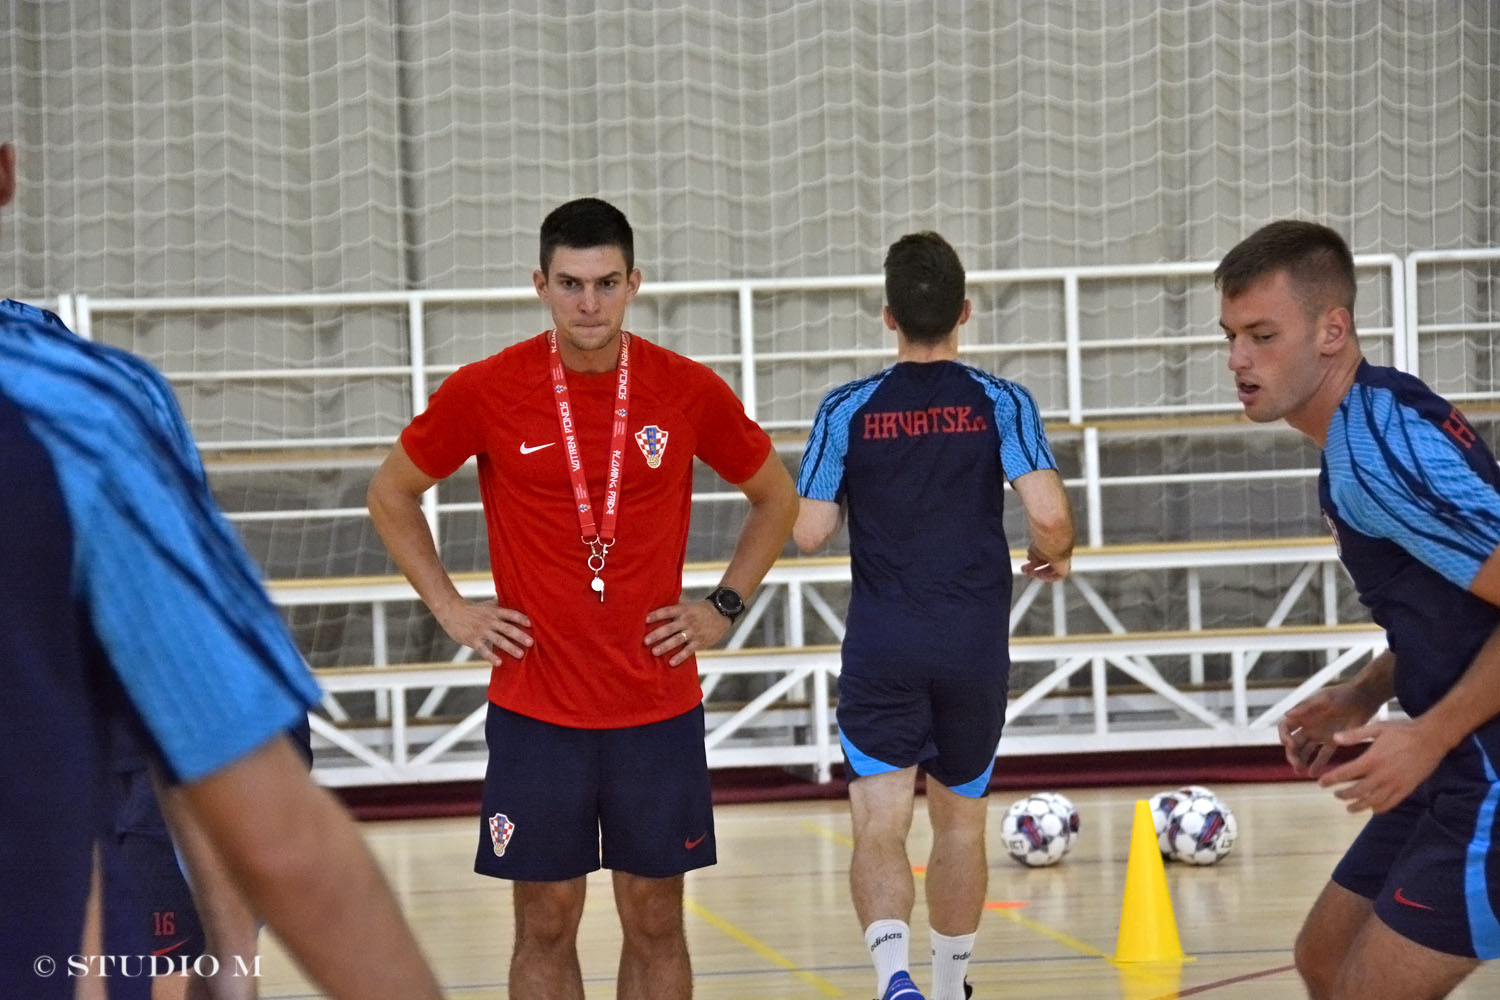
<point x="259" y="147"/>
<point x="256" y="148"/>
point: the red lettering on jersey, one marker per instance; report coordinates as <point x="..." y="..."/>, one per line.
<point x="920" y="423"/>
<point x="1458" y="427"/>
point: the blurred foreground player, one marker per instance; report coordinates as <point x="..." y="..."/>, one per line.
<point x="1412" y="496"/>
<point x="125" y="592"/>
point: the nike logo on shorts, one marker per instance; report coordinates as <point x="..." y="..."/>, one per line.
<point x="527" y="451"/>
<point x="1400" y="897"/>
<point x="692" y="842"/>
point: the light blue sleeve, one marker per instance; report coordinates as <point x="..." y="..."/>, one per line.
<point x="1394" y="475"/>
<point x="1018" y="423"/>
<point x="821" y="475"/>
<point x="174" y="599"/>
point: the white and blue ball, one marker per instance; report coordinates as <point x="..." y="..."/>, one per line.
<point x="1200" y="830"/>
<point x="1039" y="829"/>
<point x="1162" y="804"/>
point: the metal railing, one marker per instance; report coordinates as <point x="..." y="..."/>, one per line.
<point x="1103" y="688"/>
<point x="1073" y="412"/>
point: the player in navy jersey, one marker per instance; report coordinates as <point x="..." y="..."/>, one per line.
<point x="918" y="456"/>
<point x="1412" y="496"/>
<point x="129" y="600"/>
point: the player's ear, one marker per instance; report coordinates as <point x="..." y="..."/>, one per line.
<point x="965" y="312"/>
<point x="889" y="318"/>
<point x="7" y="173"/>
<point x="1336" y="330"/>
<point x="633" y="281"/>
<point x="539" y="282"/>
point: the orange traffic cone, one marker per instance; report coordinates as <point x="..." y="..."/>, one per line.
<point x="1148" y="930"/>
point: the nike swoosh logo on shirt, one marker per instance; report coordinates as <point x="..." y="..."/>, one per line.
<point x="527" y="451"/>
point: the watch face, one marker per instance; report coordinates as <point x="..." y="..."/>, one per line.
<point x="728" y="602"/>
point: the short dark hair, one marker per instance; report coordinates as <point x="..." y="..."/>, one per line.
<point x="1315" y="258"/>
<point x="924" y="286"/>
<point x="584" y="223"/>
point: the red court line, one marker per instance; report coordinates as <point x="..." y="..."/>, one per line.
<point x="1207" y="987"/>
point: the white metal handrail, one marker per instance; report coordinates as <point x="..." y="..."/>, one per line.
<point x="787" y="722"/>
<point x="86" y="313"/>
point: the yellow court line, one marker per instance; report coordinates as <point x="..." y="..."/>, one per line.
<point x="828" y="832"/>
<point x="1056" y="935"/>
<point x="765" y="951"/>
<point x="1136" y="969"/>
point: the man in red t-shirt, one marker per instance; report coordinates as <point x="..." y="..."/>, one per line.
<point x="585" y="437"/>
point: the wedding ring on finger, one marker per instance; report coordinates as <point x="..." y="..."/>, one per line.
<point x="685" y="639"/>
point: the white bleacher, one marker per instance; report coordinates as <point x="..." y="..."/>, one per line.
<point x="1100" y="690"/>
<point x="1086" y="680"/>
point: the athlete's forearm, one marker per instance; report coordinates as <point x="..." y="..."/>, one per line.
<point x="817" y="521"/>
<point x="1375" y="683"/>
<point x="304" y="867"/>
<point x="228" y="920"/>
<point x="767" y="526"/>
<point x="398" y="519"/>
<point x="1049" y="515"/>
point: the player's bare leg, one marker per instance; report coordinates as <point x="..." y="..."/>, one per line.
<point x="93" y="987"/>
<point x="1327" y="934"/>
<point x="1383" y="965"/>
<point x="654" y="963"/>
<point x="880" y="879"/>
<point x="957" y="870"/>
<point x="544" y="965"/>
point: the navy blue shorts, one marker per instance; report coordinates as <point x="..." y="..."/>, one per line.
<point x="148" y="907"/>
<point x="944" y="721"/>
<point x="1433" y="879"/>
<point x="558" y="801"/>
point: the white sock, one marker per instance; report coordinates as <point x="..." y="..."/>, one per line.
<point x="888" y="942"/>
<point x="950" y="960"/>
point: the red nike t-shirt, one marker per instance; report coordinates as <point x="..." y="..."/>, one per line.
<point x="589" y="666"/>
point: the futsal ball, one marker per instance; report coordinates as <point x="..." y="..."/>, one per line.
<point x="1162" y="804"/>
<point x="1201" y="830"/>
<point x="1038" y="829"/>
<point x="1062" y="804"/>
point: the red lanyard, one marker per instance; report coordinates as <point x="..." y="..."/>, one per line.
<point x="599" y="538"/>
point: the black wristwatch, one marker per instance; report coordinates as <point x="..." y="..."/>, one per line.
<point x="727" y="602"/>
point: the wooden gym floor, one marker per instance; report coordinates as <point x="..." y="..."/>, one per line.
<point x="773" y="918"/>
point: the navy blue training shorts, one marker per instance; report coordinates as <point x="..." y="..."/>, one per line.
<point x="945" y="721"/>
<point x="559" y="801"/>
<point x="1432" y="869"/>
<point x="148" y="905"/>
